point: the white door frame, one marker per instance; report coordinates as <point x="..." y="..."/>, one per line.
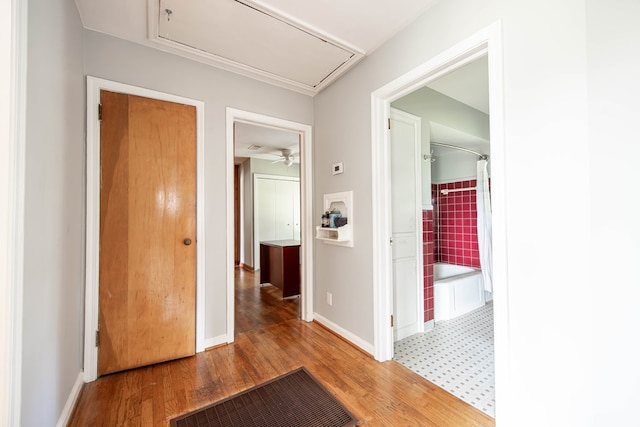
<point x="306" y="220"/>
<point x="256" y="210"/>
<point x="486" y="42"/>
<point x="94" y="86"/>
<point x="13" y="89"/>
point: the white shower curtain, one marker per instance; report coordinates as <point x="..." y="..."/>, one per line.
<point x="483" y="204"/>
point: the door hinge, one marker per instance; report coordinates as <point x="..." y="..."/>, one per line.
<point x="389" y="123"/>
<point x="100" y="112"/>
<point x="97" y="338"/>
<point x="392" y="320"/>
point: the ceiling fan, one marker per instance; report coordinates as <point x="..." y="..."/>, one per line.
<point x="287" y="157"/>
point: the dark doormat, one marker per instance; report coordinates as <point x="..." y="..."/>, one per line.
<point x="295" y="399"/>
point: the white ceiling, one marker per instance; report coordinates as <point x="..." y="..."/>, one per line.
<point x="300" y="45"/>
<point x="270" y="141"/>
<point x="468" y="84"/>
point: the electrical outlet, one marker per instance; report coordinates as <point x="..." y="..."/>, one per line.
<point x="329" y="298"/>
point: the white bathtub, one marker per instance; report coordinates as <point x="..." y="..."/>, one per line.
<point x="457" y="290"/>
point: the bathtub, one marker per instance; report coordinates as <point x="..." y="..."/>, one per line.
<point x="457" y="290"/>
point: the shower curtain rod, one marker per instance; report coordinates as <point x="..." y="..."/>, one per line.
<point x="455" y="147"/>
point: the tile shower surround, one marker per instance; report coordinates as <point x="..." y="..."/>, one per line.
<point x="455" y="224"/>
<point x="428" y="253"/>
<point x="450" y="233"/>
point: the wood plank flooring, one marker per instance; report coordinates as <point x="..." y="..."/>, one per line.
<point x="270" y="341"/>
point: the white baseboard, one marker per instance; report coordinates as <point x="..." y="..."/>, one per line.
<point x="429" y="325"/>
<point x="212" y="342"/>
<point x="354" y="339"/>
<point x="71" y="402"/>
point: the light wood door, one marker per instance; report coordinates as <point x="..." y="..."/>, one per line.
<point x="147" y="212"/>
<point x="406" y="217"/>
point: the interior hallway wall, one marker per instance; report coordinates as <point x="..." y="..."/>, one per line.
<point x="613" y="93"/>
<point x="545" y="81"/>
<point x="53" y="305"/>
<point x="122" y="61"/>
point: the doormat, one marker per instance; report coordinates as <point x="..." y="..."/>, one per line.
<point x="293" y="399"/>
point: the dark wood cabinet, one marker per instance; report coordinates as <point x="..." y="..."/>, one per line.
<point x="280" y="265"/>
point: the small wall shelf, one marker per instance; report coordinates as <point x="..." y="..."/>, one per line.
<point x="341" y="236"/>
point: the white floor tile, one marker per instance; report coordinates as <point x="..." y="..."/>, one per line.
<point x="456" y="355"/>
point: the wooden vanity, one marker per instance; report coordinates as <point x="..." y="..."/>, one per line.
<point x="280" y="265"/>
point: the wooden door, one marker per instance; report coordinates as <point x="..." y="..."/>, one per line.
<point x="147" y="232"/>
<point x="405" y="220"/>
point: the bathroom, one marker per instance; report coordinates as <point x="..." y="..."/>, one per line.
<point x="456" y="347"/>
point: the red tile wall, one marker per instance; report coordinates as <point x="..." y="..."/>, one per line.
<point x="428" y="251"/>
<point x="455" y="224"/>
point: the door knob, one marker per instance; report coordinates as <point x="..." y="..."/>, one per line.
<point x="187" y="241"/>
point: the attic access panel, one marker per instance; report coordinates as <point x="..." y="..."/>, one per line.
<point x="243" y="34"/>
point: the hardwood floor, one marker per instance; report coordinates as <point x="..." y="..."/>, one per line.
<point x="270" y="341"/>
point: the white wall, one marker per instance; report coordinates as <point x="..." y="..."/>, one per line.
<point x="455" y="166"/>
<point x="115" y="59"/>
<point x="252" y="166"/>
<point x="544" y="349"/>
<point x="614" y="151"/>
<point x="54" y="211"/>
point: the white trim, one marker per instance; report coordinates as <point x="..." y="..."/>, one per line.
<point x="306" y="211"/>
<point x="352" y="338"/>
<point x="488" y="41"/>
<point x="414" y="121"/>
<point x="159" y="43"/>
<point x="13" y="54"/>
<point x="94" y="86"/>
<point x="215" y="341"/>
<point x="254" y="237"/>
<point x="63" y="420"/>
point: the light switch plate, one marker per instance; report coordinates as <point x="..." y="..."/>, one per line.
<point x="338" y="168"/>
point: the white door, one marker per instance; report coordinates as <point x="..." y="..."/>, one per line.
<point x="296" y="210"/>
<point x="265" y="219"/>
<point x="406" y="222"/>
<point x="284" y="210"/>
<point x="276" y="214"/>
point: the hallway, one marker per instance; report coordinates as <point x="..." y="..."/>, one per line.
<point x="271" y="341"/>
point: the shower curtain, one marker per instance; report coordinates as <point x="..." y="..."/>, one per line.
<point x="483" y="205"/>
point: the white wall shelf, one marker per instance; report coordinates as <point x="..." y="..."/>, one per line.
<point x="341" y="236"/>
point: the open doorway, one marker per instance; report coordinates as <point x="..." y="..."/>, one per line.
<point x="271" y="154"/>
<point x="457" y="308"/>
<point x="267" y="212"/>
<point x="484" y="44"/>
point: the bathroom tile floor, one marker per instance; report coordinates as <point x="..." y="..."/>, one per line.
<point x="456" y="355"/>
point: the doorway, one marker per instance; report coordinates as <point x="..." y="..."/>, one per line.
<point x="94" y="87"/>
<point x="147" y="232"/>
<point x="238" y="117"/>
<point x="487" y="42"/>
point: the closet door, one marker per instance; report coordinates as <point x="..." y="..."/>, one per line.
<point x="265" y="209"/>
<point x="284" y="218"/>
<point x="296" y="210"/>
<point x="276" y="212"/>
